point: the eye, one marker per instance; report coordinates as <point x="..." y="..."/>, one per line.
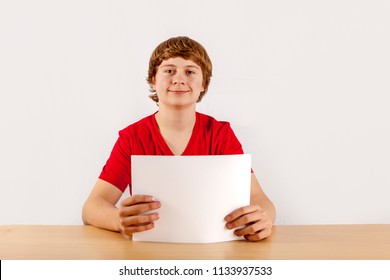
<point x="168" y="71"/>
<point x="190" y="72"/>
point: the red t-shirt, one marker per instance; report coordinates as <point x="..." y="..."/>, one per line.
<point x="209" y="137"/>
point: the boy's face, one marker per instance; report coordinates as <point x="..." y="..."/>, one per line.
<point x="178" y="82"/>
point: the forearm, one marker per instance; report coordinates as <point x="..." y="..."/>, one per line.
<point x="260" y="198"/>
<point x="101" y="214"/>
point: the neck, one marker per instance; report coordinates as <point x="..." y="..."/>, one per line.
<point x="180" y="120"/>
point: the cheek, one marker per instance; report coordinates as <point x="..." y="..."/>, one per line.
<point x="201" y="86"/>
<point x="157" y="83"/>
<point x="162" y="81"/>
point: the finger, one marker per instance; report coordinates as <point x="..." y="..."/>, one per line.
<point x="246" y="219"/>
<point x="259" y="235"/>
<point x="132" y="224"/>
<point x="133" y="229"/>
<point x="138" y="220"/>
<point x="241" y="211"/>
<point x="253" y="228"/>
<point x="138" y="208"/>
<point x="138" y="198"/>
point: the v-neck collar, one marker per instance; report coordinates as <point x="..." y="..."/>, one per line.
<point x="165" y="147"/>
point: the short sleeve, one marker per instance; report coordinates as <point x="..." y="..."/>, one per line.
<point x="117" y="170"/>
<point x="229" y="143"/>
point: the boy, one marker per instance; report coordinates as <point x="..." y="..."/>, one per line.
<point x="179" y="75"/>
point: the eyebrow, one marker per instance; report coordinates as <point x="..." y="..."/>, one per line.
<point x="173" y="65"/>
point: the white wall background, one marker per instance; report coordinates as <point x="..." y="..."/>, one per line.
<point x="305" y="85"/>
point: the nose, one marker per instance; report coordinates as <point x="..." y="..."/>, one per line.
<point x="178" y="78"/>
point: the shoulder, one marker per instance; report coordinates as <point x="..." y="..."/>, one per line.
<point x="210" y="122"/>
<point x="220" y="135"/>
<point x="140" y="126"/>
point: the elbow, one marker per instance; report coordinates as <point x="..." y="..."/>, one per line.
<point x="84" y="214"/>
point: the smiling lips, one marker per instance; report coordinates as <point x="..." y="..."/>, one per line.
<point x="178" y="91"/>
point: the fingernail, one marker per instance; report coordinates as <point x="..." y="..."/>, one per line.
<point x="228" y="218"/>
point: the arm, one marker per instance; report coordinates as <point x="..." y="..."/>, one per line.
<point x="100" y="210"/>
<point x="257" y="218"/>
<point x="258" y="197"/>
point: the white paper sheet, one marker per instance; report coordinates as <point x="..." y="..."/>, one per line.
<point x="196" y="193"/>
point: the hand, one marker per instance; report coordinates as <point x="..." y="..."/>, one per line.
<point x="257" y="225"/>
<point x="132" y="217"/>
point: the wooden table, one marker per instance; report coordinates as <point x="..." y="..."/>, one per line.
<point x="335" y="242"/>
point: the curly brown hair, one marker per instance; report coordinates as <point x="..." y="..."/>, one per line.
<point x="186" y="48"/>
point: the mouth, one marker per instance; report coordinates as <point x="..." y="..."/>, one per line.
<point x="178" y="91"/>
